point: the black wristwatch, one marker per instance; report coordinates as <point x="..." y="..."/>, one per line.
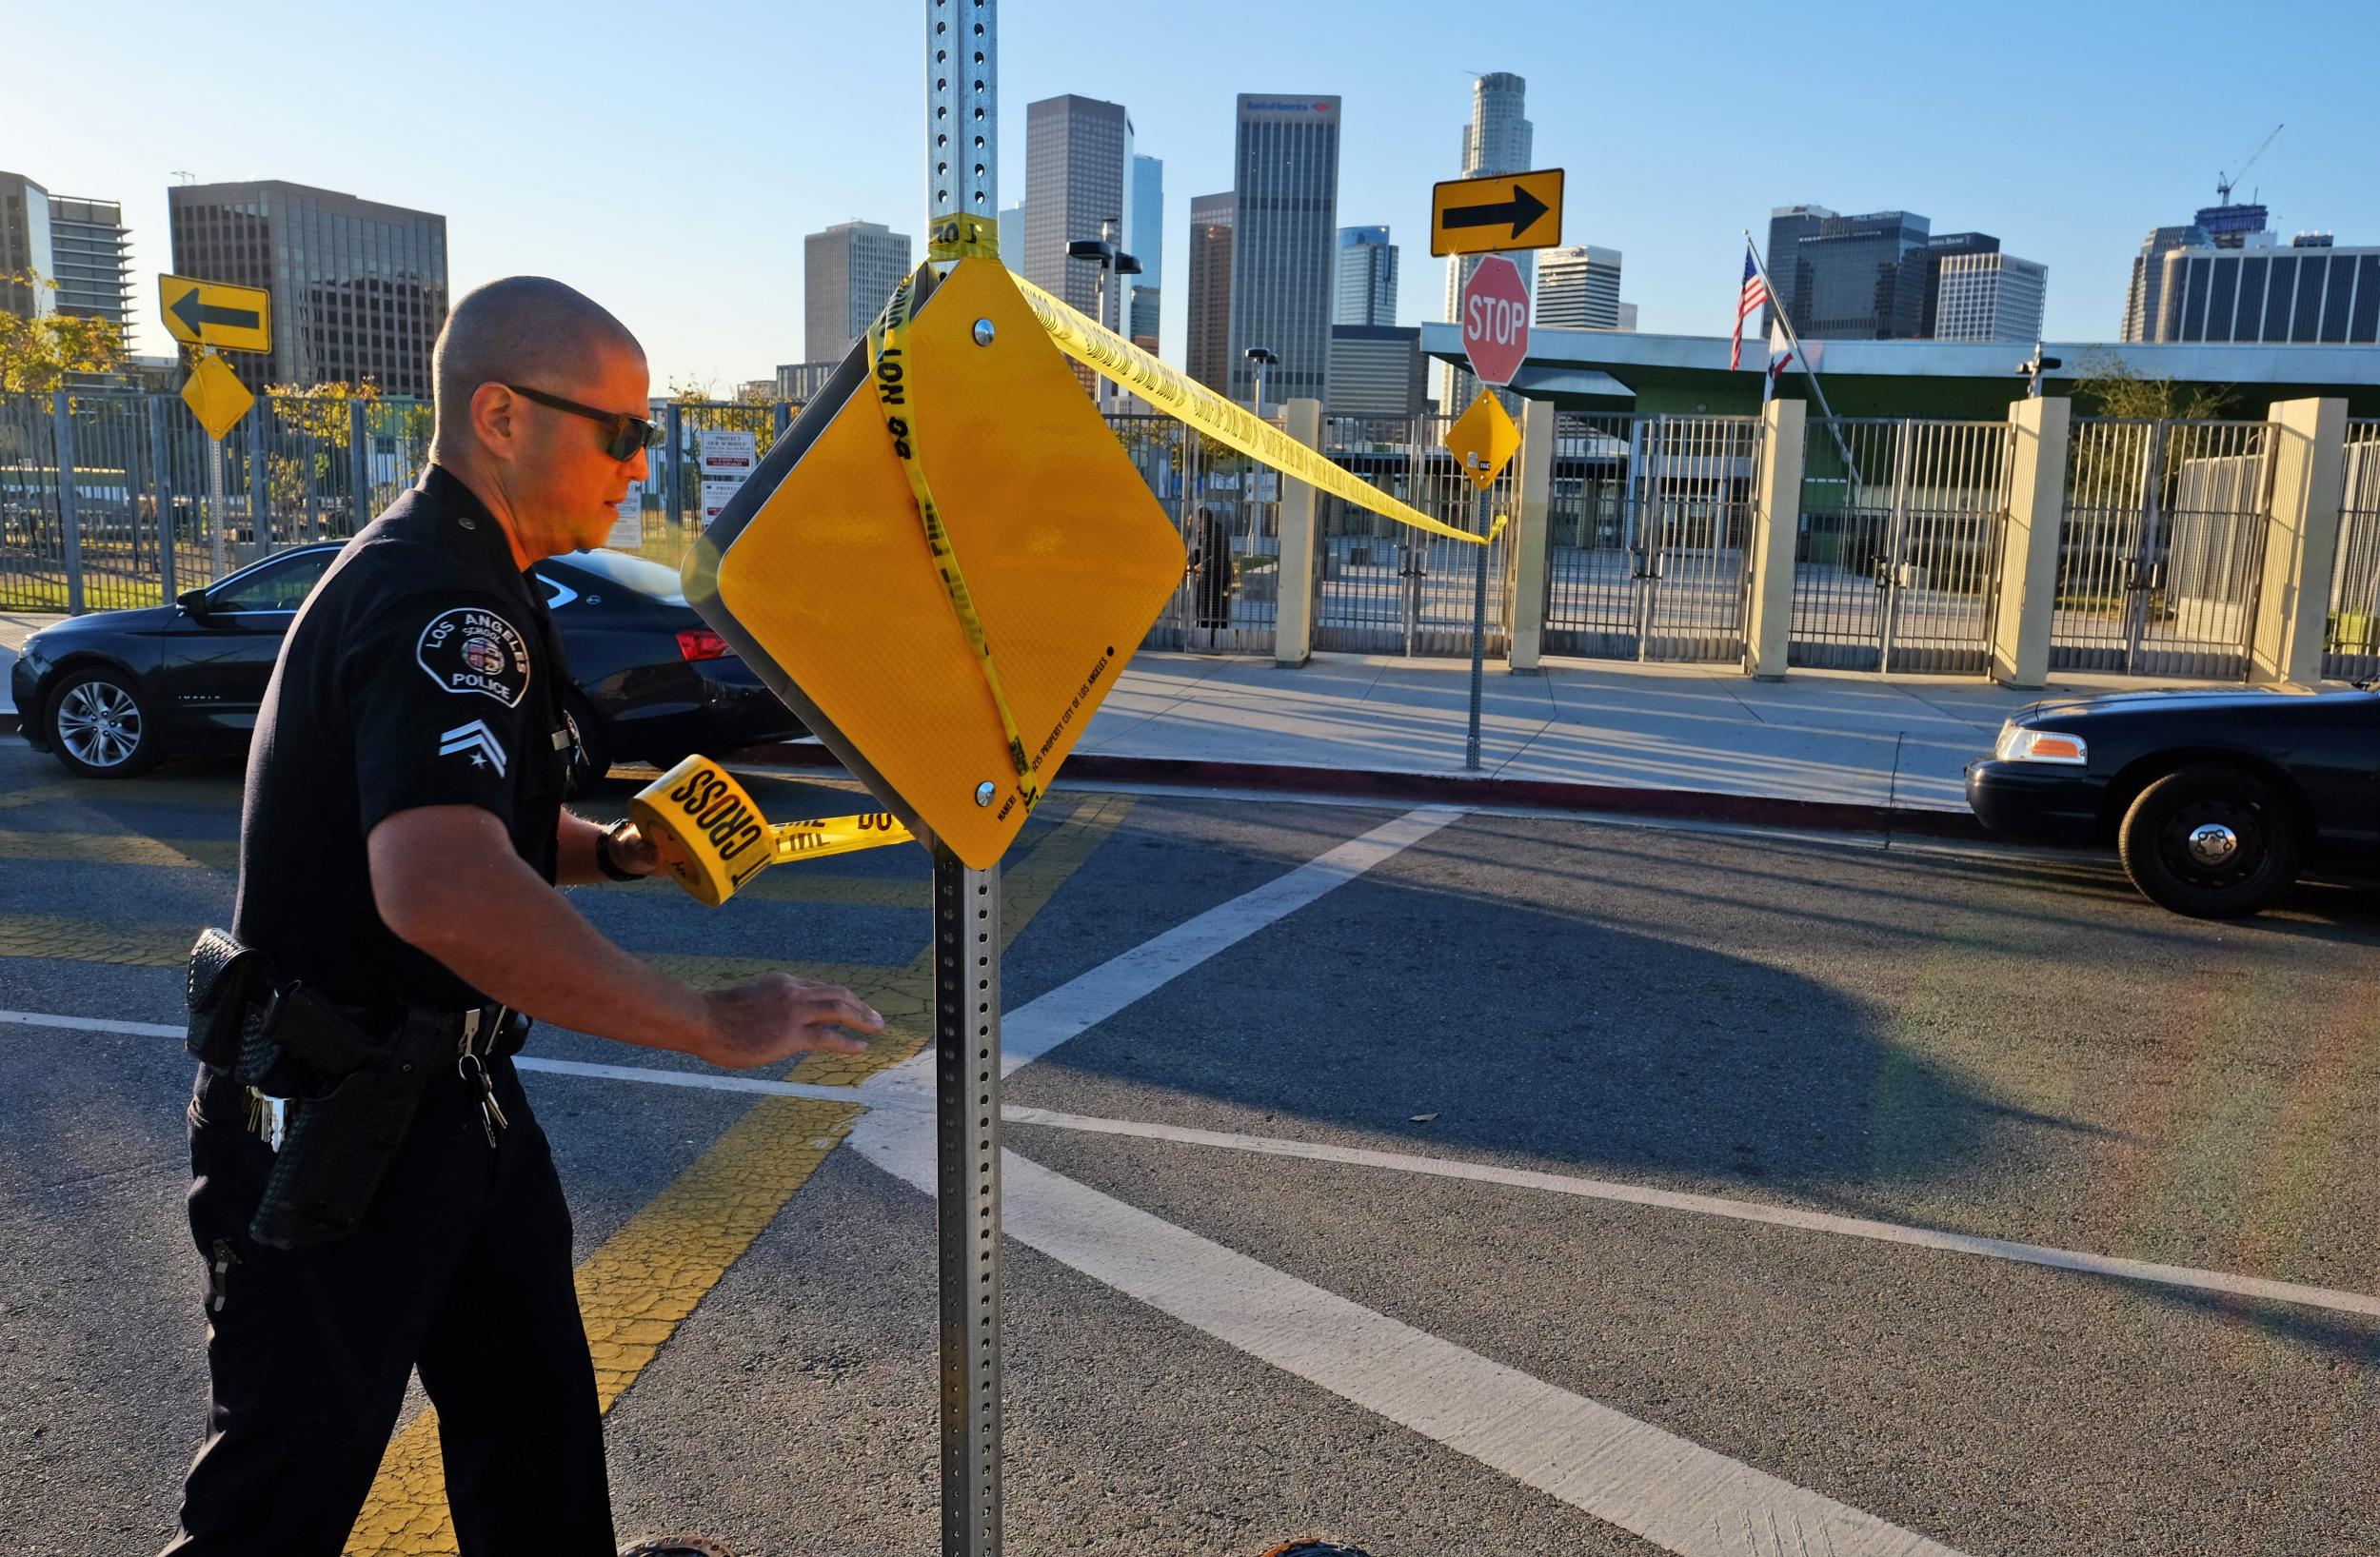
<point x="603" y="861"/>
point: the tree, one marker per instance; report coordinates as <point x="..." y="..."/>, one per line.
<point x="2114" y="387"/>
<point x="38" y="354"/>
<point x="312" y="425"/>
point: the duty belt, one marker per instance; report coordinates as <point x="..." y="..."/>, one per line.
<point x="479" y="1033"/>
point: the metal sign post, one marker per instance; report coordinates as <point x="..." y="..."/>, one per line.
<point x="962" y="178"/>
<point x="214" y="500"/>
<point x="1479" y="636"/>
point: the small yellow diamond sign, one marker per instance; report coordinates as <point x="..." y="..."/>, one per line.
<point x="215" y="395"/>
<point x="1483" y="439"/>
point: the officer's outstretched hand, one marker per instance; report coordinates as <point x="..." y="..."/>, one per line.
<point x="778" y="1015"/>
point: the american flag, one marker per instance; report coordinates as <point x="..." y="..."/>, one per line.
<point x="1754" y="293"/>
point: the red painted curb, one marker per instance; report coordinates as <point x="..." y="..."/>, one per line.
<point x="1441" y="788"/>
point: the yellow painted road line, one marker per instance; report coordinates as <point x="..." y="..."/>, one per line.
<point x="803" y="883"/>
<point x="119" y="849"/>
<point x="647" y="1278"/>
<point x="633" y="1293"/>
<point x="54" y="936"/>
<point x="178" y="789"/>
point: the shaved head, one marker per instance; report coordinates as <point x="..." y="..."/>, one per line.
<point x="522" y="330"/>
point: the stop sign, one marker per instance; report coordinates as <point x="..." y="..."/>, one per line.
<point x="1495" y="320"/>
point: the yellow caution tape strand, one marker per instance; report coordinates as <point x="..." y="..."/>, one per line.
<point x="1183" y="398"/>
<point x="824" y="835"/>
<point x="888" y="357"/>
<point x="1180" y="396"/>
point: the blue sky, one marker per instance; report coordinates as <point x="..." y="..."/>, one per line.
<point x="667" y="159"/>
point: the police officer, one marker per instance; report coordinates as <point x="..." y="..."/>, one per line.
<point x="400" y="847"/>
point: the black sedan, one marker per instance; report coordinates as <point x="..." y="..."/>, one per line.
<point x="2217" y="800"/>
<point x="114" y="693"/>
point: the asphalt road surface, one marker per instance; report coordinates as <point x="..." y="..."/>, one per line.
<point x="1501" y="1184"/>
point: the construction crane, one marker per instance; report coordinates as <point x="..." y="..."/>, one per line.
<point x="2223" y="182"/>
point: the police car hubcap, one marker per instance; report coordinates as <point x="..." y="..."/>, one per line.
<point x="2213" y="843"/>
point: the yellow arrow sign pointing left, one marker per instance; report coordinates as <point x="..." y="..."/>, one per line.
<point x="215" y="395"/>
<point x="211" y="313"/>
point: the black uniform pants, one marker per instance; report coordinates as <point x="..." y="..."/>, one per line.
<point x="462" y="1267"/>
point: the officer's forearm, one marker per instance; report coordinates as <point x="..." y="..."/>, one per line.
<point x="447" y="881"/>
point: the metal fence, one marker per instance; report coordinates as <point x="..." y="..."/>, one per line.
<point x="1896" y="566"/>
<point x="107" y="499"/>
<point x="2161" y="546"/>
<point x="675" y="501"/>
<point x="2350" y="639"/>
<point x="1649" y="526"/>
<point x="1384" y="587"/>
<point x="1228" y="510"/>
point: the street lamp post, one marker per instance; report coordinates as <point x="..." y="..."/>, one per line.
<point x="1112" y="261"/>
<point x="1260" y="357"/>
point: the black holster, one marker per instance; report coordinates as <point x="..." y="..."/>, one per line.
<point x="342" y="1132"/>
<point x="349" y="1091"/>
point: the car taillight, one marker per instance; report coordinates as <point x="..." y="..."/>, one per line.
<point x="701" y="644"/>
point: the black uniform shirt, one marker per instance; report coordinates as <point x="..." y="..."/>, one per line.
<point x="422" y="670"/>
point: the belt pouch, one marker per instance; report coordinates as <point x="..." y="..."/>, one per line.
<point x="224" y="976"/>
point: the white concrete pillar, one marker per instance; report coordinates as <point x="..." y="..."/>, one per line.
<point x="1529" y="535"/>
<point x="2036" y="506"/>
<point x="1775" y="531"/>
<point x="2301" y="541"/>
<point x="1293" y="620"/>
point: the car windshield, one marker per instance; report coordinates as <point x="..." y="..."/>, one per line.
<point x="280" y="585"/>
<point x="627" y="571"/>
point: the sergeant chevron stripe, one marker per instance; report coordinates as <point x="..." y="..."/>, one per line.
<point x="476" y="739"/>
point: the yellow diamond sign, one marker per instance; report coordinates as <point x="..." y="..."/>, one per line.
<point x="820" y="570"/>
<point x="1483" y="439"/>
<point x="215" y="395"/>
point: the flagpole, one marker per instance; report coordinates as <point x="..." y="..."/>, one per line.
<point x="1787" y="320"/>
<point x="1851" y="466"/>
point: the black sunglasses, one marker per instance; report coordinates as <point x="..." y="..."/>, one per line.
<point x="629" y="433"/>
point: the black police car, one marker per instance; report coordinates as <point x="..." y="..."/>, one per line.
<point x="114" y="692"/>
<point x="2216" y="800"/>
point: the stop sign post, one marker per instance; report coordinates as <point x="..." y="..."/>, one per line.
<point x="1495" y="320"/>
<point x="1496" y="338"/>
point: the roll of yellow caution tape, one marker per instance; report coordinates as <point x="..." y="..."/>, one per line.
<point x="722" y="840"/>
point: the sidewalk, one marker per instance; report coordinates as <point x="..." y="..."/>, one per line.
<point x="1821" y="748"/>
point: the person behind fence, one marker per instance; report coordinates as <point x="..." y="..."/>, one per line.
<point x="1211" y="569"/>
<point x="371" y="1192"/>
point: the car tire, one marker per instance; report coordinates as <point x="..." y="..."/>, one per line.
<point x="101" y="724"/>
<point x="590" y="748"/>
<point x="2212" y="842"/>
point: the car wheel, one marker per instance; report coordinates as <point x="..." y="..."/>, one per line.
<point x="100" y="724"/>
<point x="2212" y="842"/>
<point x="590" y="751"/>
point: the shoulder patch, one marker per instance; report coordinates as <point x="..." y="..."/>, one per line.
<point x="469" y="649"/>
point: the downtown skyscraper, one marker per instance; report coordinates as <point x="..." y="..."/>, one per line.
<point x="1579" y="288"/>
<point x="359" y="288"/>
<point x="1498" y="139"/>
<point x="1206" y="334"/>
<point x="1366" y="287"/>
<point x="1283" y="244"/>
<point x="848" y="273"/>
<point x="1078" y="161"/>
<point x="1145" y="239"/>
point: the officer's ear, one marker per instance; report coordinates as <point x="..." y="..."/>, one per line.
<point x="496" y="419"/>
